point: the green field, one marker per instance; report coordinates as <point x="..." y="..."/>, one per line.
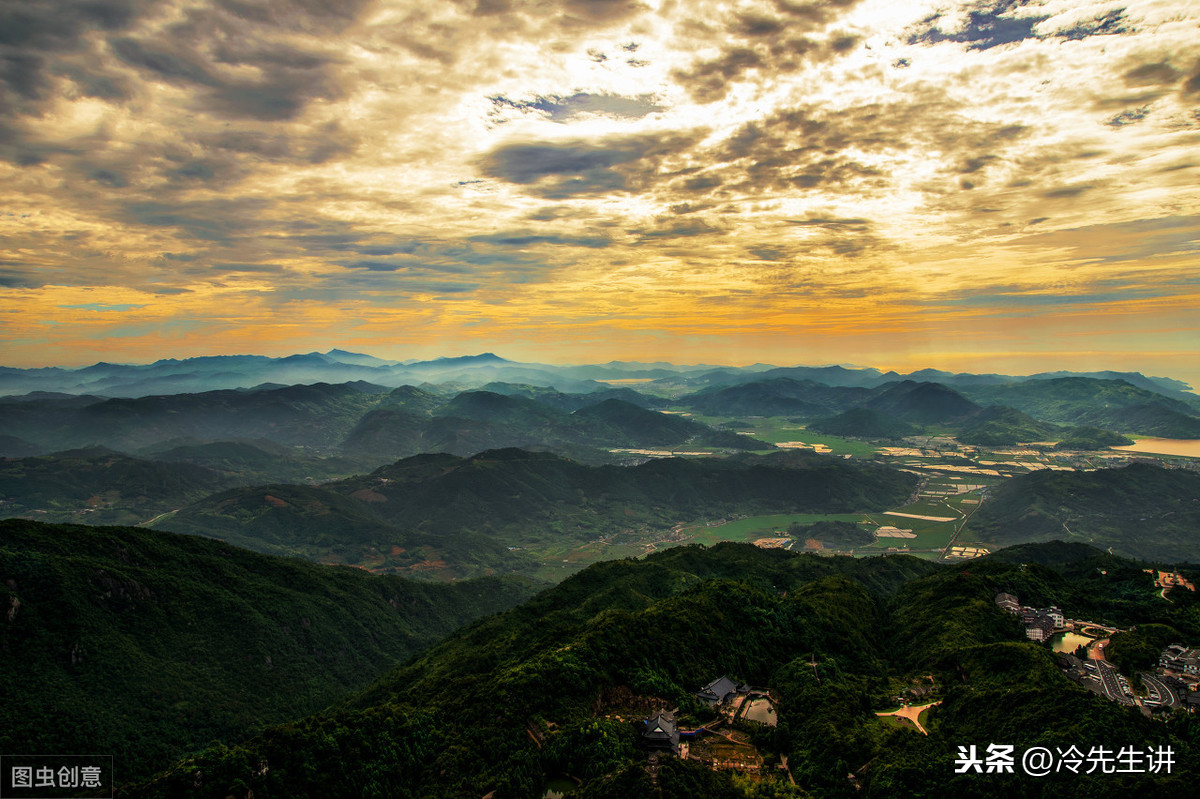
<point x="762" y="526"/>
<point x="776" y="429"/>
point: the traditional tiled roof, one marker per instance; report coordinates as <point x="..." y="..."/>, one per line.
<point x="717" y="690"/>
<point x="660" y="731"/>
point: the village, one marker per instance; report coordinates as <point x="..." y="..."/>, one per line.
<point x="1079" y="646"/>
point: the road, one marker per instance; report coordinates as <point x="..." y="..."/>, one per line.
<point x="1112" y="686"/>
<point x="149" y="522"/>
<point x="1165" y="694"/>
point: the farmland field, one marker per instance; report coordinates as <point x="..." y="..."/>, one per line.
<point x="757" y="526"/>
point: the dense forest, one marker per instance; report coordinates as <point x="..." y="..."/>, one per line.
<point x="144" y="645"/>
<point x="555" y="685"/>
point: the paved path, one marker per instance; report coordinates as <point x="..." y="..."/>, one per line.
<point x="912" y="713"/>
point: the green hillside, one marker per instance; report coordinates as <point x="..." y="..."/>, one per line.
<point x="864" y="423"/>
<point x="99" y="486"/>
<point x="1113" y="404"/>
<point x="441" y="515"/>
<point x="1001" y="426"/>
<point x="556" y="686"/>
<point x="144" y="644"/>
<point x="1140" y="511"/>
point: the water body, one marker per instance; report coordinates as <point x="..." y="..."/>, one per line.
<point x="1186" y="447"/>
<point x="1068" y="642"/>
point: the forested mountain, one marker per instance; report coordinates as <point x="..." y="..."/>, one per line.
<point x="360" y="423"/>
<point x="144" y="644"/>
<point x="1140" y="511"/>
<point x="1116" y="404"/>
<point x="99" y="486"/>
<point x="555" y="686"/>
<point x="462" y="515"/>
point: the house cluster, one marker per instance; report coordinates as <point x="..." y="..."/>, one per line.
<point x="1040" y="623"/>
<point x="1181" y="660"/>
<point x="661" y="732"/>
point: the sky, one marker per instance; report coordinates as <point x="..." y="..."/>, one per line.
<point x="989" y="187"/>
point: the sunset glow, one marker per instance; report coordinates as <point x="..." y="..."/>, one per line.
<point x="1008" y="187"/>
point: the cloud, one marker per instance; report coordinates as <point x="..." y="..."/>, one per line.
<point x="560" y="170"/>
<point x="563" y="109"/>
<point x="103" y="307"/>
<point x="761" y="44"/>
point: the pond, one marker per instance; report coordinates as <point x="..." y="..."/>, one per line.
<point x="1068" y="642"/>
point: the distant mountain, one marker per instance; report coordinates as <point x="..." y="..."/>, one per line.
<point x="922" y="403"/>
<point x="997" y="425"/>
<point x="99" y="486"/>
<point x="16" y="447"/>
<point x="1138" y="511"/>
<point x="357" y="358"/>
<point x="253" y="462"/>
<point x="777" y="396"/>
<point x="573" y="402"/>
<point x="1113" y="404"/>
<point x="1152" y="419"/>
<point x="147" y="645"/>
<point x="444" y="515"/>
<point x="864" y="423"/>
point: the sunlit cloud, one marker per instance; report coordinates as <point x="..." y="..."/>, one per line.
<point x="597" y="179"/>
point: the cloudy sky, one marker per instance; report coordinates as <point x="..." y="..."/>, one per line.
<point x="993" y="186"/>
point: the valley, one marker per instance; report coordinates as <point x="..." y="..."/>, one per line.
<point x="539" y="568"/>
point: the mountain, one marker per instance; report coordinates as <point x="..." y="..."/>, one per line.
<point x="1115" y="404"/>
<point x="864" y="423"/>
<point x="778" y="396"/>
<point x="99" y="486"/>
<point x="318" y="415"/>
<point x="1091" y="438"/>
<point x="921" y="403"/>
<point x="557" y="686"/>
<point x="997" y="425"/>
<point x="251" y="462"/>
<point x="1139" y="511"/>
<point x="1152" y="419"/>
<point x="617" y="420"/>
<point x="451" y="516"/>
<point x="146" y="645"/>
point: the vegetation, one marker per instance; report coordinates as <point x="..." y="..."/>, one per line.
<point x="1113" y="404"/>
<point x="99" y="486"/>
<point x="1140" y="510"/>
<point x="144" y="645"/>
<point x="832" y="638"/>
<point x="1091" y="438"/>
<point x="1002" y="426"/>
<point x="864" y="423"/>
<point x="458" y="516"/>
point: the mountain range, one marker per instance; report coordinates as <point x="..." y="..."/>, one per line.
<point x="558" y="684"/>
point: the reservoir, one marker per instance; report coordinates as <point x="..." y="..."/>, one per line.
<point x="1068" y="642"/>
<point x="1186" y="447"/>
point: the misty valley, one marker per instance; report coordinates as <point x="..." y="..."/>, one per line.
<point x="332" y="574"/>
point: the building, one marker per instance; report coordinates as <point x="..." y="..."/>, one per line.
<point x="1180" y="659"/>
<point x="1040" y="628"/>
<point x="1008" y="602"/>
<point x="718" y="691"/>
<point x="660" y="733"/>
<point x="1054" y="614"/>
